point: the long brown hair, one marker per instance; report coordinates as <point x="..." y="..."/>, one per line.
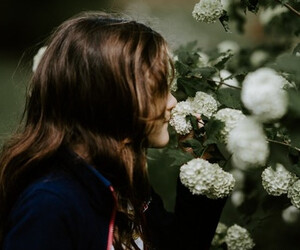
<point x="102" y="83"/>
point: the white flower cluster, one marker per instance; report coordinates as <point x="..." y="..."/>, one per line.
<point x="178" y="117"/>
<point x="277" y="182"/>
<point x="247" y="144"/>
<point x="202" y="104"/>
<point x="202" y="177"/>
<point x="258" y="57"/>
<point x="238" y="238"/>
<point x="294" y="194"/>
<point x="228" y="45"/>
<point x="37" y="58"/>
<point x="266" y="15"/>
<point x="230" y="117"/>
<point x="237" y="198"/>
<point x="263" y="94"/>
<point x="208" y="11"/>
<point x="290" y="215"/>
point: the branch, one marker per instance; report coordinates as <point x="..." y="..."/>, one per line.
<point x="223" y="83"/>
<point x="290" y="8"/>
<point x="284" y="144"/>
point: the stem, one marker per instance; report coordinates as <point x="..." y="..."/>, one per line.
<point x="223" y="83"/>
<point x="284" y="144"/>
<point x="290" y="8"/>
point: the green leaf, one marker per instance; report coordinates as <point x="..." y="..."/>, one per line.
<point x="191" y="85"/>
<point x="224" y="19"/>
<point x="188" y="58"/>
<point x="181" y="68"/>
<point x="213" y="128"/>
<point x="288" y="63"/>
<point x="294" y="103"/>
<point x="178" y="157"/>
<point x="222" y="60"/>
<point x="229" y="97"/>
<point x="205" y="72"/>
<point x="195" y="145"/>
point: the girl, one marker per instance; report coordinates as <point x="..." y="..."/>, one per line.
<point x="75" y="176"/>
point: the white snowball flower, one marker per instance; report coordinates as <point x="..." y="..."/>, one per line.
<point x="277" y="182"/>
<point x="226" y="45"/>
<point x="202" y="177"/>
<point x="230" y="117"/>
<point x="263" y="94"/>
<point x="294" y="194"/>
<point x="219" y="237"/>
<point x="208" y="11"/>
<point x="229" y="82"/>
<point x="37" y="58"/>
<point x="290" y="215"/>
<point x="237" y="198"/>
<point x="178" y="117"/>
<point x="203" y="104"/>
<point x="238" y="238"/>
<point x="266" y="15"/>
<point x="258" y="57"/>
<point x="248" y="144"/>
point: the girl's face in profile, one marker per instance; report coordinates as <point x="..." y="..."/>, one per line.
<point x="159" y="136"/>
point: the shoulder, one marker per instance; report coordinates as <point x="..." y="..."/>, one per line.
<point x="55" y="192"/>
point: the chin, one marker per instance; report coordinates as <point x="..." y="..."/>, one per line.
<point x="159" y="142"/>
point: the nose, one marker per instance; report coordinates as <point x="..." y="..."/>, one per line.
<point x="171" y="102"/>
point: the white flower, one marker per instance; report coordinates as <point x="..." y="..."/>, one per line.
<point x="229" y="82"/>
<point x="294" y="194"/>
<point x="277" y="182"/>
<point x="228" y="45"/>
<point x="219" y="237"/>
<point x="208" y="11"/>
<point x="178" y="117"/>
<point x="266" y="15"/>
<point x="239" y="177"/>
<point x="248" y="145"/>
<point x="263" y="94"/>
<point x="203" y="104"/>
<point x="203" y="59"/>
<point x="258" y="57"/>
<point x="238" y="238"/>
<point x="37" y="58"/>
<point x="226" y="4"/>
<point x="230" y="117"/>
<point x="290" y="215"/>
<point x="202" y="177"/>
<point x="237" y="198"/>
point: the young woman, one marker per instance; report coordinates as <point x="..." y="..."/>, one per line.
<point x="75" y="176"/>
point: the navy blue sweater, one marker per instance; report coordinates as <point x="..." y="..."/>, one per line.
<point x="73" y="208"/>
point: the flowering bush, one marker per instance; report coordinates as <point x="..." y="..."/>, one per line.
<point x="248" y="99"/>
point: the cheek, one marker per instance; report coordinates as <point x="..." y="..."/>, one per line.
<point x="159" y="137"/>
